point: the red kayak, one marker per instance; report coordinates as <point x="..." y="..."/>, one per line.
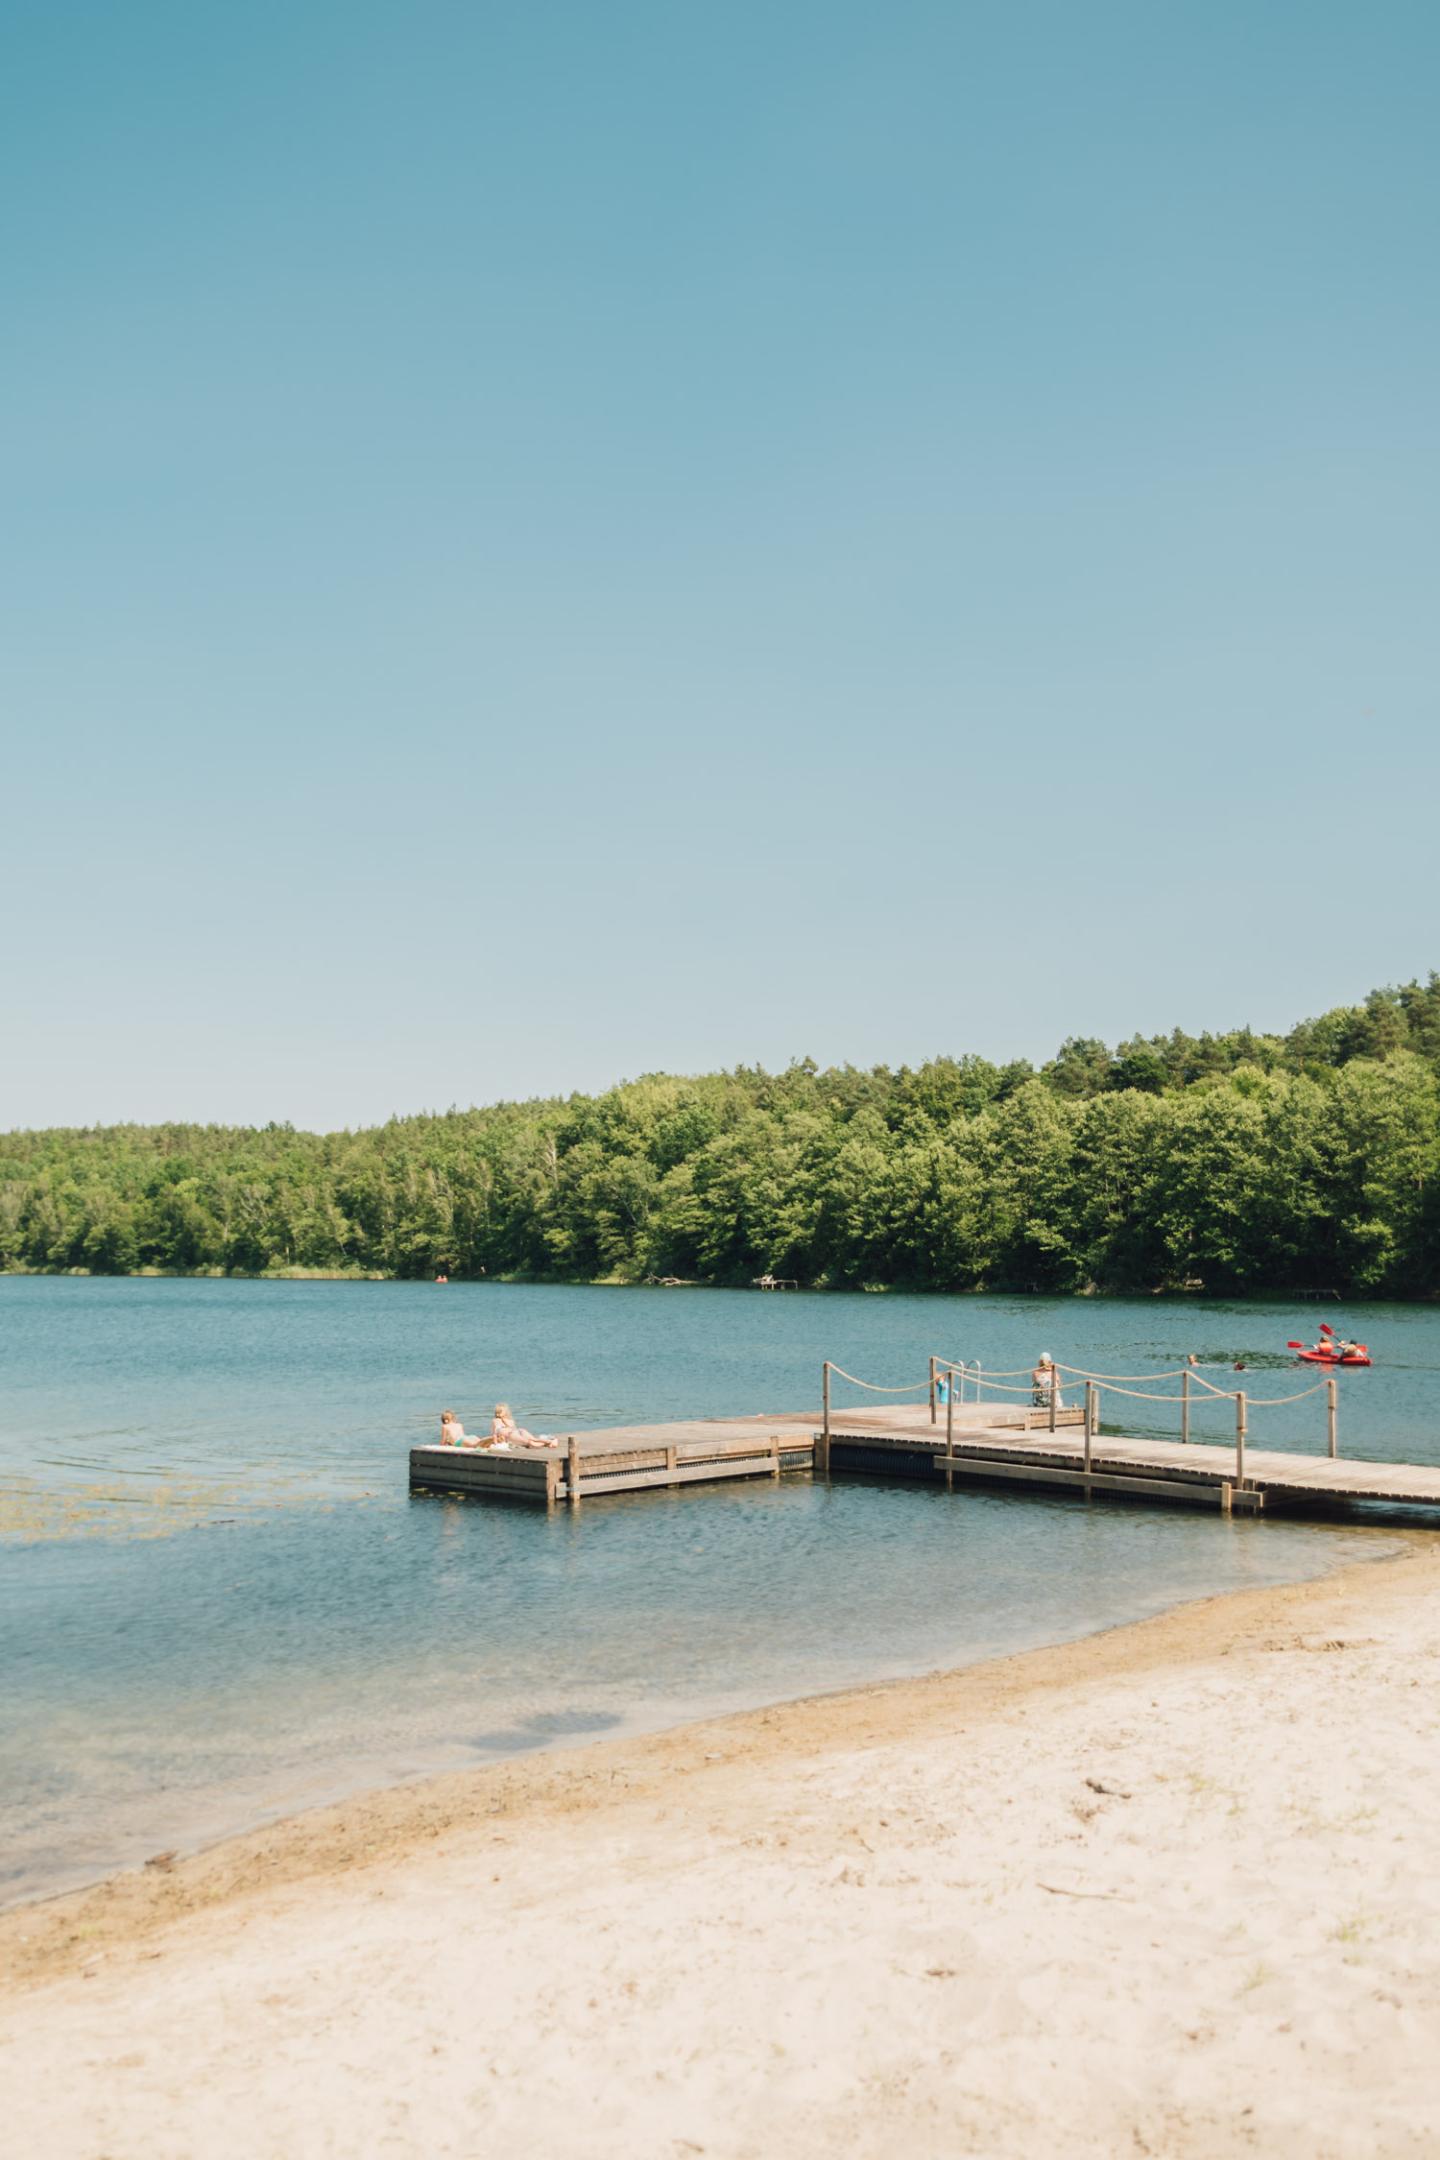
<point x="1358" y="1356"/>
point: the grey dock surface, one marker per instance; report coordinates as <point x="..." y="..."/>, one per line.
<point x="992" y="1445"/>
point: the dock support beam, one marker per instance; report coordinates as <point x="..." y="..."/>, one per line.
<point x="1091" y="1393"/>
<point x="1185" y="1406"/>
<point x="824" y="1463"/>
<point x="572" y="1472"/>
<point x="932" y="1391"/>
<point x="1239" y="1438"/>
<point x="950" y="1433"/>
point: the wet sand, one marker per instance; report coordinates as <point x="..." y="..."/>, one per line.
<point x="1167" y="1890"/>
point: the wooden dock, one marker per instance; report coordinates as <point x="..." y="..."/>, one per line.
<point x="992" y="1445"/>
<point x="625" y="1458"/>
<point x="903" y="1442"/>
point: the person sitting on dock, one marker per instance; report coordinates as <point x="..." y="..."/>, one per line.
<point x="504" y="1432"/>
<point x="1045" y="1382"/>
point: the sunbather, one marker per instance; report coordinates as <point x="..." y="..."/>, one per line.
<point x="504" y="1432"/>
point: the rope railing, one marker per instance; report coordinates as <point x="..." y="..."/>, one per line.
<point x="1078" y="1372"/>
<point x="1042" y="1386"/>
<point x="1270" y="1402"/>
<point x="1193" y="1384"/>
<point x="1112" y="1387"/>
<point x="912" y="1387"/>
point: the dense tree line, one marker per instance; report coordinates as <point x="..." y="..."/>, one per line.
<point x="1227" y="1161"/>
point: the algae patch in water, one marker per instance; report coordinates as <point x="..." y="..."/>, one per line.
<point x="35" y="1513"/>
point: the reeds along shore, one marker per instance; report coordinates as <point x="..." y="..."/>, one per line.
<point x="1166" y="1889"/>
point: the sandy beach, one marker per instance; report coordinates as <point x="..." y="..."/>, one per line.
<point x="1171" y="1890"/>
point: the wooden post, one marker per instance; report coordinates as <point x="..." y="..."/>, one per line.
<point x="1090" y="1409"/>
<point x="932" y="1391"/>
<point x="672" y="1462"/>
<point x="824" y="1462"/>
<point x="1331" y="1409"/>
<point x="950" y="1433"/>
<point x="572" y="1471"/>
<point x="552" y="1479"/>
<point x="1185" y="1405"/>
<point x="1054" y="1391"/>
<point x="1239" y="1438"/>
<point x="775" y="1456"/>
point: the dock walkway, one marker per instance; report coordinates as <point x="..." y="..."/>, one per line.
<point x="993" y="1444"/>
<point x="1197" y="1473"/>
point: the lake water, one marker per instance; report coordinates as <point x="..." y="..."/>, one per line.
<point x="221" y="1603"/>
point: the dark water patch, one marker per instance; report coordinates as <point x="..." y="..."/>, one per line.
<point x="508" y="1740"/>
<point x="555" y="1724"/>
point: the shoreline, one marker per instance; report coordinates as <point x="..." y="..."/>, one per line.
<point x="55" y="1934"/>
<point x="1187" y="1293"/>
<point x="1169" y="1890"/>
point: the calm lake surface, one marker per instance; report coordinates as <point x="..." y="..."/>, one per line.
<point x="220" y="1603"/>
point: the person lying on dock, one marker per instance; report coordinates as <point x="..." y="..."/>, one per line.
<point x="453" y="1433"/>
<point x="504" y="1432"/>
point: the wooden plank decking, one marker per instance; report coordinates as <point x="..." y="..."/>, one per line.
<point x="993" y="1444"/>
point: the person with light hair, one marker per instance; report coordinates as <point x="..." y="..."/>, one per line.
<point x="504" y="1432"/>
<point x="1045" y="1383"/>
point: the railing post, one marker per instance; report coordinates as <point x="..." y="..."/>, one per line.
<point x="932" y="1391"/>
<point x="1331" y="1409"/>
<point x="1091" y="1406"/>
<point x="1239" y="1438"/>
<point x="1054" y="1391"/>
<point x="950" y="1433"/>
<point x="824" y="1463"/>
<point x="1185" y="1405"/>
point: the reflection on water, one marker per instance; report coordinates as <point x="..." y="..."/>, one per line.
<point x="316" y="1628"/>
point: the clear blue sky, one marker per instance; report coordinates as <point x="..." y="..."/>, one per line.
<point x="545" y="541"/>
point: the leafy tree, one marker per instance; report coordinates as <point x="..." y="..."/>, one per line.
<point x="1236" y="1160"/>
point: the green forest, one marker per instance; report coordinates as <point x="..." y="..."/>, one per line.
<point x="1218" y="1162"/>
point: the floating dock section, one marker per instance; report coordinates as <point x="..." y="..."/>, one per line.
<point x="624" y="1458"/>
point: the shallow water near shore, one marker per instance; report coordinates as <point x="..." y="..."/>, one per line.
<point x="221" y="1603"/>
